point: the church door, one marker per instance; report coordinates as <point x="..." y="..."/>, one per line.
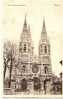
<point x="37" y="84"/>
<point x="24" y="84"/>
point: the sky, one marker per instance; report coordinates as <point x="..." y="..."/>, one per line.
<point x="52" y="10"/>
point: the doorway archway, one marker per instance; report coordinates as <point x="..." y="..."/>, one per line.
<point x="37" y="84"/>
<point x="24" y="84"/>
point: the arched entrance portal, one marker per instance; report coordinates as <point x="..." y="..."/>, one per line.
<point x="24" y="84"/>
<point x="37" y="84"/>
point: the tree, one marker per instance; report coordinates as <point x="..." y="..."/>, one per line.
<point x="9" y="59"/>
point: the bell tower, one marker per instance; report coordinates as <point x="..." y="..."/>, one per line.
<point x="25" y="45"/>
<point x="45" y="61"/>
<point x="25" y="58"/>
<point x="44" y="51"/>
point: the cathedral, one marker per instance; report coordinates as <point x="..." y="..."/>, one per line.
<point x="33" y="74"/>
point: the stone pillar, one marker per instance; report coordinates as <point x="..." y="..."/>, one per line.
<point x="42" y="87"/>
<point x="30" y="87"/>
<point x="48" y="87"/>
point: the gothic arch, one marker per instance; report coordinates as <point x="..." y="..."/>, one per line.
<point x="45" y="70"/>
<point x="24" y="68"/>
<point x="45" y="49"/>
<point x="37" y="84"/>
<point x="24" y="84"/>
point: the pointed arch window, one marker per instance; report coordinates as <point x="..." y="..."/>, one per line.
<point x="46" y="70"/>
<point x="40" y="49"/>
<point x="37" y="84"/>
<point x="49" y="49"/>
<point x="24" y="84"/>
<point x="24" y="47"/>
<point x="29" y="45"/>
<point x="45" y="49"/>
<point x="23" y="68"/>
<point x="35" y="68"/>
<point x="20" y="47"/>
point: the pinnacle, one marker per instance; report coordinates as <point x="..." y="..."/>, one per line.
<point x="25" y="23"/>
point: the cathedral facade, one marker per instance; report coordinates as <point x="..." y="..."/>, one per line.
<point x="33" y="74"/>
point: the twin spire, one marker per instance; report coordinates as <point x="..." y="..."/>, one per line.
<point x="25" y="28"/>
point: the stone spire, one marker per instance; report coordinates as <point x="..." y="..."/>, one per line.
<point x="26" y="40"/>
<point x="25" y="24"/>
<point x="44" y="33"/>
<point x="44" y="51"/>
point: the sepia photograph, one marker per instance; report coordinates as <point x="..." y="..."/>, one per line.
<point x="32" y="48"/>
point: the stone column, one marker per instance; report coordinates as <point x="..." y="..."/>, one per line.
<point x="48" y="87"/>
<point x="42" y="87"/>
<point x="30" y="87"/>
